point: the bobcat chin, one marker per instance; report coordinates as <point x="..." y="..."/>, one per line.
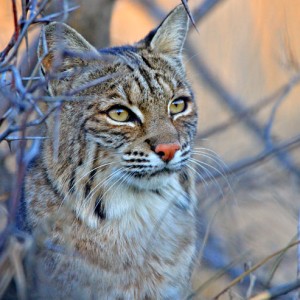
<point x="111" y="198"/>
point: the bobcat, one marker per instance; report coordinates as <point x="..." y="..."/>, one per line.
<point x="111" y="200"/>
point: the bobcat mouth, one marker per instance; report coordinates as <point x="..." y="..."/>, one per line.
<point x="149" y="180"/>
<point x="157" y="170"/>
<point x="153" y="178"/>
<point x="153" y="174"/>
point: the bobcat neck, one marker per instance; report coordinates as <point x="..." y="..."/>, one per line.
<point x="130" y="204"/>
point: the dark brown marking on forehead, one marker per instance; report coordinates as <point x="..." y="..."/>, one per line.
<point x="126" y="89"/>
<point x="161" y="79"/>
<point x="180" y="84"/>
<point x="130" y="68"/>
<point x="140" y="86"/>
<point x="147" y="79"/>
<point x="101" y="72"/>
<point x="114" y="94"/>
<point x="146" y="61"/>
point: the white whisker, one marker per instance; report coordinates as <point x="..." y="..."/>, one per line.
<point x="208" y="173"/>
<point x="201" y="178"/>
<point x="101" y="183"/>
<point x="217" y="172"/>
<point x="77" y="181"/>
<point x="217" y="161"/>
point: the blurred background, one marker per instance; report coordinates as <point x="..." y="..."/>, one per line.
<point x="243" y="62"/>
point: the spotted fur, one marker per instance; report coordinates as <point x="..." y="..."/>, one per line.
<point x="114" y="220"/>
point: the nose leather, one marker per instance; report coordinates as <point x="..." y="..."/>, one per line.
<point x="167" y="151"/>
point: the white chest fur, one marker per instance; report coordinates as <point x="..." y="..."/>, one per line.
<point x="130" y="206"/>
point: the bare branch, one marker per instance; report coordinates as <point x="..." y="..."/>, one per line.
<point x="15" y="42"/>
<point x="189" y="13"/>
<point x="297" y="294"/>
<point x="204" y="9"/>
<point x="235" y="105"/>
<point x="36" y="122"/>
<point x="281" y="93"/>
<point x="255" y="267"/>
<point x="258" y="159"/>
<point x="277" y="291"/>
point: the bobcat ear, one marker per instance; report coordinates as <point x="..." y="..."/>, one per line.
<point x="58" y="47"/>
<point x="170" y="36"/>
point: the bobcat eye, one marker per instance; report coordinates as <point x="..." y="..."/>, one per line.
<point x="119" y="114"/>
<point x="177" y="106"/>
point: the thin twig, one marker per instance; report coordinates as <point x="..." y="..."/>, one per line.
<point x="252" y="110"/>
<point x="36" y="122"/>
<point x="276" y="265"/>
<point x="217" y="275"/>
<point x="236" y="106"/>
<point x="297" y="294"/>
<point x="258" y="159"/>
<point x="52" y="17"/>
<point x="204" y="9"/>
<point x="298" y="252"/>
<point x="277" y="291"/>
<point x="10" y="139"/>
<point x="255" y="267"/>
<point x="189" y="13"/>
<point x="5" y="60"/>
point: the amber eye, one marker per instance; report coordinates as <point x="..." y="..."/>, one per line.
<point x="119" y="114"/>
<point x="177" y="106"/>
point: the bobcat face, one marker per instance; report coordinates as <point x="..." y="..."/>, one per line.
<point x="136" y="109"/>
<point x="147" y="120"/>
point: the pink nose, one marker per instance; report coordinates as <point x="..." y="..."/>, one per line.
<point x="167" y="151"/>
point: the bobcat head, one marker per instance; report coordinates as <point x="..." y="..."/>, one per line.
<point x="128" y="114"/>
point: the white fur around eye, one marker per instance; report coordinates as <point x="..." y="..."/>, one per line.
<point x="187" y="111"/>
<point x="137" y="111"/>
<point x="113" y="122"/>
